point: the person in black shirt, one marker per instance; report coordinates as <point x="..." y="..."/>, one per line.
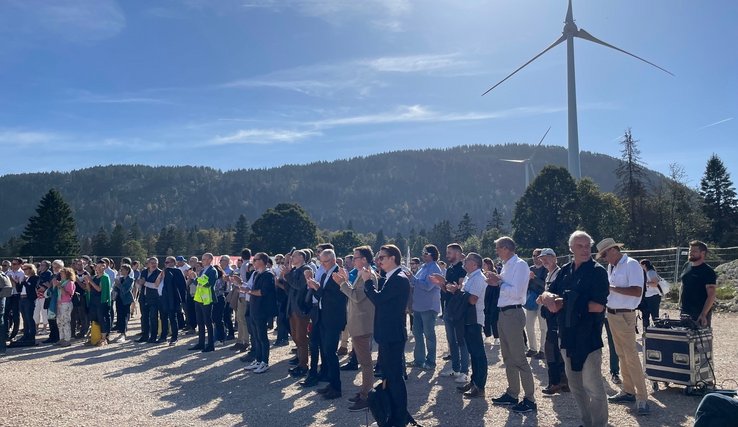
<point x="579" y="293"/>
<point x="458" y="352"/>
<point x="699" y="282"/>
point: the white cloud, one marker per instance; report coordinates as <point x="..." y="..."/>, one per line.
<point x="414" y="63"/>
<point x="384" y="14"/>
<point x="91" y="98"/>
<point x="262" y="136"/>
<point x="22" y="137"/>
<point x="71" y="20"/>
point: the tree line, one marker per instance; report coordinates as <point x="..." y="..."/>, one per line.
<point x="639" y="212"/>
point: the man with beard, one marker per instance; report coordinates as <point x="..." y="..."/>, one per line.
<point x="698" y="285"/>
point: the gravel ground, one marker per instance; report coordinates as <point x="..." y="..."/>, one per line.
<point x="140" y="384"/>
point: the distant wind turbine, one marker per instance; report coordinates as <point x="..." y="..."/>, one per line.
<point x="530" y="173"/>
<point x="570" y="31"/>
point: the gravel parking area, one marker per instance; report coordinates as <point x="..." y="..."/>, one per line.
<point x="142" y="384"/>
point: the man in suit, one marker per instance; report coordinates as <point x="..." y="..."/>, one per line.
<point x="390" y="301"/>
<point x="329" y="319"/>
<point x="173" y="288"/>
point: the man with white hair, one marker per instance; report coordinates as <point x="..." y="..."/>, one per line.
<point x="580" y="292"/>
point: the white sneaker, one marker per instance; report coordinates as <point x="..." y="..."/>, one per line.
<point x="462" y="379"/>
<point x="496" y="342"/>
<point x="253" y="365"/>
<point x="121" y="339"/>
<point x="263" y="367"/>
<point x="449" y="372"/>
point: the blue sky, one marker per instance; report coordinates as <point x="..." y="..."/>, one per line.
<point x="260" y="83"/>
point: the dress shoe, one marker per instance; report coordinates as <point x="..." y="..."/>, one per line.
<point x="342" y="351"/>
<point x="196" y="347"/>
<point x="359" y="405"/>
<point x="323" y="390"/>
<point x="208" y="349"/>
<point x="143" y="339"/>
<point x="464" y="388"/>
<point x="173" y="342"/>
<point x="293" y="350"/>
<point x="332" y="394"/>
<point x="237" y="346"/>
<point x="473" y="392"/>
<point x="530" y="353"/>
<point x="154" y="341"/>
<point x="298" y="372"/>
<point x="551" y="389"/>
<point x="294" y="361"/>
<point x="356" y="398"/>
<point x="280" y="343"/>
<point x="161" y="340"/>
<point x="310" y="381"/>
<point x="247" y="358"/>
<point x="446" y="357"/>
<point x="350" y="367"/>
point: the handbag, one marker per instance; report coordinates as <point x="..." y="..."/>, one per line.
<point x="232" y="298"/>
<point x="530" y="301"/>
<point x="664" y="286"/>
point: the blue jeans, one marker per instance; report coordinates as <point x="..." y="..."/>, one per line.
<point x="459" y="354"/>
<point x="716" y="410"/>
<point x="3" y="326"/>
<point x="218" y="310"/>
<point x="475" y="345"/>
<point x="424" y="326"/>
<point x="27" y="306"/>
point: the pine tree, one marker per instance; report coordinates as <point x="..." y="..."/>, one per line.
<point x="719" y="200"/>
<point x="117" y="239"/>
<point x="441" y="235"/>
<point x="101" y="242"/>
<point x="631" y="187"/>
<point x="379" y="240"/>
<point x="52" y="231"/>
<point x="496" y="222"/>
<point x="465" y="229"/>
<point x="240" y="235"/>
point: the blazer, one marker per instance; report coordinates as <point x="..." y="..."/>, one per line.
<point x="390" y="304"/>
<point x="297" y="290"/>
<point x="333" y="303"/>
<point x="174" y="290"/>
<point x="360" y="309"/>
<point x="125" y="290"/>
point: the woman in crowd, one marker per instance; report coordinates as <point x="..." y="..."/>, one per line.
<point x="123" y="301"/>
<point x="491" y="312"/>
<point x="28" y="304"/>
<point x="652" y="299"/>
<point x="98" y="288"/>
<point x="262" y="309"/>
<point x="65" y="289"/>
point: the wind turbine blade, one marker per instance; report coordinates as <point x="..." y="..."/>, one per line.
<point x="539" y="144"/>
<point x="587" y="36"/>
<point x="569" y="14"/>
<point x="512" y="161"/>
<point x="559" y="40"/>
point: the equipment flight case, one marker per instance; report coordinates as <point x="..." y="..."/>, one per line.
<point x="680" y="353"/>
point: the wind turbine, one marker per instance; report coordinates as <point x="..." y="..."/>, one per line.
<point x="570" y="31"/>
<point x="530" y="173"/>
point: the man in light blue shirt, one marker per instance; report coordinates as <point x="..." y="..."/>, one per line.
<point x="426" y="306"/>
<point x="475" y="288"/>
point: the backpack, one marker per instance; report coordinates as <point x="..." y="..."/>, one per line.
<point x="380" y="405"/>
<point x="6" y="287"/>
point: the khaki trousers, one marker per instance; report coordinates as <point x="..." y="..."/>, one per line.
<point x="588" y="388"/>
<point x="363" y="348"/>
<point x="622" y="326"/>
<point x="243" y="331"/>
<point x="517" y="368"/>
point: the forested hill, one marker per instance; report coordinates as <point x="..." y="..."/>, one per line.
<point x="393" y="191"/>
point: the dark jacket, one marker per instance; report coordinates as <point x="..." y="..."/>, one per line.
<point x="333" y="303"/>
<point x="297" y="291"/>
<point x="125" y="290"/>
<point x="264" y="307"/>
<point x="390" y="303"/>
<point x="174" y="290"/>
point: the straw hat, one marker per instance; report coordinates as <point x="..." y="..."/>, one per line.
<point x="606" y="244"/>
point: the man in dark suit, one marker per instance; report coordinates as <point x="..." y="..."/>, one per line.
<point x="390" y="301"/>
<point x="329" y="319"/>
<point x="173" y="288"/>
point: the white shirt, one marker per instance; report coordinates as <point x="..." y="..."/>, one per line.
<point x="474" y="284"/>
<point x="626" y="273"/>
<point x="247" y="284"/>
<point x="18" y="276"/>
<point x="514" y="285"/>
<point x="184" y="268"/>
<point x="322" y="283"/>
<point x="652" y="290"/>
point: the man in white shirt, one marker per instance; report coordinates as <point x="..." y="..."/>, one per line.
<point x="626" y="289"/>
<point x="513" y="283"/>
<point x="475" y="286"/>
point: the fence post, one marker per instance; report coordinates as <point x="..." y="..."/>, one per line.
<point x="676" y="266"/>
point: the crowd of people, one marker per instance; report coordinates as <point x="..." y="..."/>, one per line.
<point x="321" y="301"/>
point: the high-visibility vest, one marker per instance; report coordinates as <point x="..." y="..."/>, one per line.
<point x="203" y="294"/>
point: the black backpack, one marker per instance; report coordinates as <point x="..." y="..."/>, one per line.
<point x="380" y="405"/>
